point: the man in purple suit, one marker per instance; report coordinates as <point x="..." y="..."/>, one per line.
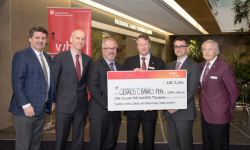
<point x="218" y="95"/>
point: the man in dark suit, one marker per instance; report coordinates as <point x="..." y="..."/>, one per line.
<point x="145" y="61"/>
<point x="69" y="70"/>
<point x="180" y="121"/>
<point x="104" y="124"/>
<point x="218" y="95"/>
<point x="32" y="85"/>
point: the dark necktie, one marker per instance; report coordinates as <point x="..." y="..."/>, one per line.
<point x="177" y="67"/>
<point x="143" y="67"/>
<point x="78" y="68"/>
<point x="111" y="67"/>
<point x="45" y="74"/>
<point x="205" y="73"/>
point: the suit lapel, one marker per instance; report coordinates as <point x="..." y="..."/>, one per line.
<point x="172" y="65"/>
<point x="84" y="68"/>
<point x="212" y="70"/>
<point x="151" y="61"/>
<point x="185" y="64"/>
<point x="71" y="63"/>
<point x="35" y="59"/>
<point x="118" y="68"/>
<point x="137" y="62"/>
<point x="104" y="63"/>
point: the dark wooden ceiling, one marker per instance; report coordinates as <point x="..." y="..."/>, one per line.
<point x="200" y="11"/>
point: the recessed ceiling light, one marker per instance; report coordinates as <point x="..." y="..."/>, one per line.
<point x="117" y="13"/>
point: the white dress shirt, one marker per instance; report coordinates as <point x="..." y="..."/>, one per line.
<point x="182" y="61"/>
<point x="146" y="60"/>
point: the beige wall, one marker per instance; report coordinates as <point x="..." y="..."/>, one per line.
<point x="16" y="18"/>
<point x="5" y="63"/>
<point x="166" y="53"/>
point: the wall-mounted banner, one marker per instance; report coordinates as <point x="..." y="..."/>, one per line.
<point x="155" y="90"/>
<point x="62" y="21"/>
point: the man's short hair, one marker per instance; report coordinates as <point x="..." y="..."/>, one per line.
<point x="72" y="34"/>
<point x="37" y="29"/>
<point x="108" y="39"/>
<point x="143" y="36"/>
<point x="181" y="38"/>
<point x="216" y="45"/>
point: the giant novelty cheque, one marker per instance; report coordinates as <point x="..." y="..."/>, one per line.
<point x="144" y="90"/>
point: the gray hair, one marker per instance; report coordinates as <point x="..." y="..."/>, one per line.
<point x="216" y="46"/>
<point x="108" y="39"/>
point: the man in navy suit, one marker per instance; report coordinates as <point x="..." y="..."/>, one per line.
<point x="33" y="86"/>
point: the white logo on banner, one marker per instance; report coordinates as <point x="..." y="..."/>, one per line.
<point x="51" y="12"/>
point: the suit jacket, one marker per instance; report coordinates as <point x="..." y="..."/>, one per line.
<point x="97" y="85"/>
<point x="193" y="76"/>
<point x="68" y="90"/>
<point x="218" y="96"/>
<point x="134" y="62"/>
<point x="29" y="84"/>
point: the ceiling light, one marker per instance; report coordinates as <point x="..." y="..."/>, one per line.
<point x="117" y="13"/>
<point x="184" y="14"/>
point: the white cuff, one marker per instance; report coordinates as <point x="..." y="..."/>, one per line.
<point x="26" y="106"/>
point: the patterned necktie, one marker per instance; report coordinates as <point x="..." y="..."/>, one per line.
<point x="111" y="67"/>
<point x="143" y="67"/>
<point x="45" y="74"/>
<point x="177" y="67"/>
<point x="205" y="73"/>
<point x="78" y="68"/>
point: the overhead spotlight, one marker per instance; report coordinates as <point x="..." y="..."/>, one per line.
<point x="216" y="13"/>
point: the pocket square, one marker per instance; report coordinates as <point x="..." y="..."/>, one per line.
<point x="213" y="77"/>
<point x="151" y="67"/>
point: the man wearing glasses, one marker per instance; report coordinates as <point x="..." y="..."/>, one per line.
<point x="180" y="121"/>
<point x="104" y="124"/>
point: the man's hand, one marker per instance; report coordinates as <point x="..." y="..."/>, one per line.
<point x="147" y="110"/>
<point x="171" y="111"/>
<point x="29" y="111"/>
<point x="137" y="69"/>
<point x="53" y="107"/>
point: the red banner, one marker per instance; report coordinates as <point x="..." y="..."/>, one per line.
<point x="62" y="21"/>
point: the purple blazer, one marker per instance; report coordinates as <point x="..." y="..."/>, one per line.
<point x="219" y="93"/>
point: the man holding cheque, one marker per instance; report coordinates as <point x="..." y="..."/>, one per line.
<point x="143" y="61"/>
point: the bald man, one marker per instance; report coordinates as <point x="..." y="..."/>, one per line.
<point x="69" y="70"/>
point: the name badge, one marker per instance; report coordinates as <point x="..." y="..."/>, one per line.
<point x="213" y="77"/>
<point x="151" y="67"/>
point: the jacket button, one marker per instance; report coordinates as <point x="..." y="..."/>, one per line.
<point x="44" y="93"/>
<point x="202" y="90"/>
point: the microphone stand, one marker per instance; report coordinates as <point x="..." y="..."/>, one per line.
<point x="61" y="47"/>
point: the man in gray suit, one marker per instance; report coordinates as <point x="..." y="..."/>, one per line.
<point x="180" y="121"/>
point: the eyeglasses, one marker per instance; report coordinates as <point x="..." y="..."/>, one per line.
<point x="109" y="48"/>
<point x="180" y="47"/>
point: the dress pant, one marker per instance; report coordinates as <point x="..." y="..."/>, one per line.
<point x="148" y="130"/>
<point x="63" y="125"/>
<point x="29" y="131"/>
<point x="180" y="136"/>
<point x="103" y="133"/>
<point x="215" y="136"/>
